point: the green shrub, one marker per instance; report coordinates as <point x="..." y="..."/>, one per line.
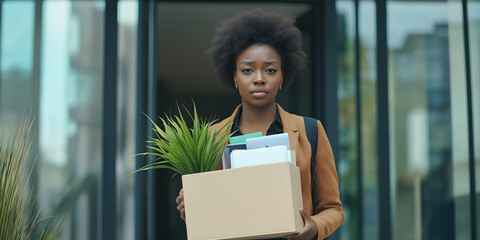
<point x="18" y="218"/>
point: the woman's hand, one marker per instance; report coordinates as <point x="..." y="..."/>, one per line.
<point x="308" y="232"/>
<point x="181" y="206"/>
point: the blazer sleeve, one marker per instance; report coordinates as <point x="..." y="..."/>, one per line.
<point x="327" y="203"/>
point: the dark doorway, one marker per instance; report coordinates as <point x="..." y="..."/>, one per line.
<point x="185" y="72"/>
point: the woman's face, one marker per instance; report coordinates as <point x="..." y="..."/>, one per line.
<point x="258" y="75"/>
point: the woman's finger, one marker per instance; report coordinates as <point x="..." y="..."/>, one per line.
<point x="179" y="199"/>
<point x="180" y="206"/>
<point x="182" y="214"/>
<point x="305" y="233"/>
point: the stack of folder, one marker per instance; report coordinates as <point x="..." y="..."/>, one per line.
<point x="254" y="149"/>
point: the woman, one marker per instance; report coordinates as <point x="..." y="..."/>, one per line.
<point x="257" y="54"/>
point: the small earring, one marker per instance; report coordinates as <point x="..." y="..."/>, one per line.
<point x="280" y="86"/>
<point x="236" y="86"/>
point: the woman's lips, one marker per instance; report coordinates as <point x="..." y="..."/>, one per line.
<point x="258" y="94"/>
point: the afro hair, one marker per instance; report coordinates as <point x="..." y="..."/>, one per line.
<point x="236" y="34"/>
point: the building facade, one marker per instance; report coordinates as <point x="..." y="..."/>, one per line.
<point x="396" y="84"/>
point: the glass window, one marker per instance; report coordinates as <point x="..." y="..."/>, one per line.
<point x="429" y="148"/>
<point x="474" y="39"/>
<point x="16" y="81"/>
<point x="70" y="114"/>
<point x="127" y="80"/>
<point x="368" y="85"/>
<point x="347" y="168"/>
<point x="65" y="96"/>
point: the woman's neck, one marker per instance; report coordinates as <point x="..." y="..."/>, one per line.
<point x="256" y="119"/>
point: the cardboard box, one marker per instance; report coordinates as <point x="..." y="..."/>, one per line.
<point x="243" y="203"/>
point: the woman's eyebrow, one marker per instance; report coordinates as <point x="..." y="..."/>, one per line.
<point x="252" y="62"/>
<point x="247" y="62"/>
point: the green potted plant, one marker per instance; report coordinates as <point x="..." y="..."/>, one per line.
<point x="186" y="150"/>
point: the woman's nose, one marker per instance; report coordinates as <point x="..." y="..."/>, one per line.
<point x="259" y="78"/>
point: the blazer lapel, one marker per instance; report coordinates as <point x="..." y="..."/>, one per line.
<point x="231" y="118"/>
<point x="289" y="127"/>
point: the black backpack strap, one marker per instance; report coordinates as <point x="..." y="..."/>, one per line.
<point x="311" y="128"/>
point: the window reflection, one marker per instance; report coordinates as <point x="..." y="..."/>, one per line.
<point x="70" y="114"/>
<point x="426" y="112"/>
<point x="368" y="79"/>
<point x="66" y="100"/>
<point x="474" y="31"/>
<point x="127" y="69"/>
<point x="347" y="168"/>
<point x="17" y="30"/>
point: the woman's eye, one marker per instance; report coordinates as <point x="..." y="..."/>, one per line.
<point x="247" y="70"/>
<point x="271" y="70"/>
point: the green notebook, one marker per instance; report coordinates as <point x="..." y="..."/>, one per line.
<point x="243" y="138"/>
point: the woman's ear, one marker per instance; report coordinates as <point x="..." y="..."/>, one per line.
<point x="235" y="80"/>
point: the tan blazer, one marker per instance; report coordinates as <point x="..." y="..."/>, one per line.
<point x="328" y="206"/>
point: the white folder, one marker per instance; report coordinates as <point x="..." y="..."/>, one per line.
<point x="254" y="157"/>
